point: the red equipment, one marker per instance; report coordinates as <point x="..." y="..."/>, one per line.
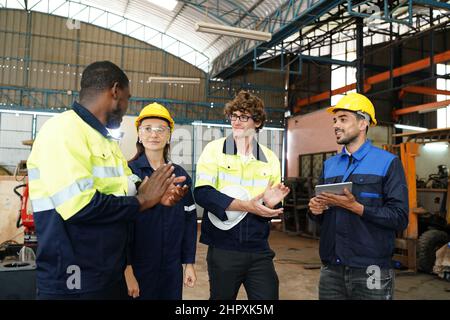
<point x="25" y="217"/>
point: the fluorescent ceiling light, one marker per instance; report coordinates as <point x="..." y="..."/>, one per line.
<point x="219" y="125"/>
<point x="166" y="4"/>
<point x="436" y="146"/>
<point x="412" y="128"/>
<point x="174" y="80"/>
<point x="40" y="113"/>
<point x="232" y="31"/>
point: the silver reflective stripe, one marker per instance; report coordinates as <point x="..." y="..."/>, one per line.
<point x="190" y="208"/>
<point x="107" y="172"/>
<point x="229" y="178"/>
<point x="42" y="204"/>
<point x="134" y="178"/>
<point x="203" y="176"/>
<point x="259" y="183"/>
<point x="245" y="183"/>
<point x="33" y="174"/>
<point x="62" y="196"/>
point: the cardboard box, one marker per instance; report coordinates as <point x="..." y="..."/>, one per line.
<point x="9" y="210"/>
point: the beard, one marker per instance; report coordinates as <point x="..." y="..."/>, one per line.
<point x="347" y="140"/>
<point x="114" y="118"/>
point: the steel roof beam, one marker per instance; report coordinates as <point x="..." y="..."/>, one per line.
<point x="283" y="22"/>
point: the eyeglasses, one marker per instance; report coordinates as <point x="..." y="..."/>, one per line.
<point x="158" y="130"/>
<point x="242" y="118"/>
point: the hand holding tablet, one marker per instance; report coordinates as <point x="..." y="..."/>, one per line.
<point x="335" y="188"/>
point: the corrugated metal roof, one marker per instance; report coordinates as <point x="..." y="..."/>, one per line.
<point x="179" y="23"/>
<point x="172" y="31"/>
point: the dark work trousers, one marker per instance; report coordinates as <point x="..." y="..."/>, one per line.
<point x="118" y="291"/>
<point x="163" y="284"/>
<point x="229" y="269"/>
<point x="338" y="282"/>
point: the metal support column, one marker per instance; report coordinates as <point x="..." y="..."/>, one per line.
<point x="359" y="55"/>
<point x="27" y="56"/>
<point x="432" y="64"/>
<point x="287" y="110"/>
<point x="78" y="69"/>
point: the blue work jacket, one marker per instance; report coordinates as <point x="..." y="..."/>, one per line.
<point x="163" y="237"/>
<point x="379" y="185"/>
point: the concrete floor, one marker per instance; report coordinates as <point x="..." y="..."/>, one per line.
<point x="294" y="257"/>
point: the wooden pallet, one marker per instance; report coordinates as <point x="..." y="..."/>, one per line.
<point x="407" y="255"/>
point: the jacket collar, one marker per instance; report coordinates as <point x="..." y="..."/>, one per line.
<point x="90" y="119"/>
<point x="360" y="153"/>
<point x="142" y="162"/>
<point x="229" y="147"/>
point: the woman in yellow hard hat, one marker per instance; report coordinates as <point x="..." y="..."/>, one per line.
<point x="164" y="239"/>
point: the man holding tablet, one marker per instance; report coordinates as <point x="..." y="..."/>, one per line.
<point x="358" y="227"/>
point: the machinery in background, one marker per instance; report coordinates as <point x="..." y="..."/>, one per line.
<point x="439" y="180"/>
<point x="429" y="204"/>
<point x="434" y="224"/>
<point x="295" y="217"/>
<point x="25" y="216"/>
<point x="435" y="180"/>
<point x="18" y="261"/>
<point x="17" y="272"/>
<point x="442" y="265"/>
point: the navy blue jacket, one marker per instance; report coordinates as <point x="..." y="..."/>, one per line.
<point x="94" y="239"/>
<point x="163" y="237"/>
<point x="379" y="185"/>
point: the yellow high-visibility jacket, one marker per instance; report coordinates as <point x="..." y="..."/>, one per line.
<point x="219" y="167"/>
<point x="78" y="180"/>
<point x="69" y="162"/>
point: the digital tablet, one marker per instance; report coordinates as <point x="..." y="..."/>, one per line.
<point x="336" y="188"/>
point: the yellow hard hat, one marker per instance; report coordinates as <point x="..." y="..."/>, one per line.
<point x="356" y="102"/>
<point x="155" y="110"/>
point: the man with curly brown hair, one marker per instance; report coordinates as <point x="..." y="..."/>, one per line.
<point x="238" y="185"/>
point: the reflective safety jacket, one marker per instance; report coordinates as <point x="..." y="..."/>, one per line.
<point x="220" y="166"/>
<point x="78" y="190"/>
<point x="379" y="184"/>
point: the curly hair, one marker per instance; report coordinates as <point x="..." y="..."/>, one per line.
<point x="247" y="102"/>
